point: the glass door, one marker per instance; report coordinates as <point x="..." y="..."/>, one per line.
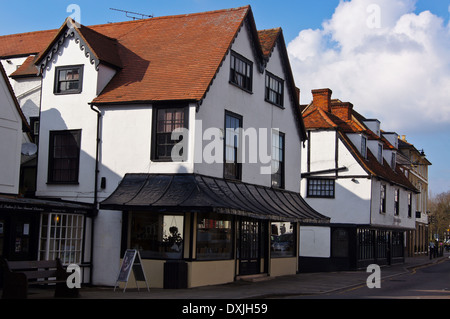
<point x="249" y="246"/>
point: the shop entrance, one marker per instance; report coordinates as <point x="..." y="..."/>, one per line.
<point x="250" y="246"/>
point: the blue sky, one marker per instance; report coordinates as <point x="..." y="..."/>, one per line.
<point x="398" y="72"/>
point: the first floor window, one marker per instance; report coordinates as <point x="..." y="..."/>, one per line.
<point x="168" y="120"/>
<point x="233" y="126"/>
<point x="396" y="202"/>
<point x="321" y="188"/>
<point x="282" y="238"/>
<point x="61" y="236"/>
<point x="157" y="236"/>
<point x="383" y="198"/>
<point x="409" y="205"/>
<point x="277" y="159"/>
<point x="64" y="156"/>
<point x="214" y="236"/>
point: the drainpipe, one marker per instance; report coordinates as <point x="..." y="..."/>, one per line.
<point x="95" y="213"/>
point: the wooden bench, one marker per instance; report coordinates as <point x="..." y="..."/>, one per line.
<point x="19" y="275"/>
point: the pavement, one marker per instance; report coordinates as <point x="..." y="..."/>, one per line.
<point x="272" y="288"/>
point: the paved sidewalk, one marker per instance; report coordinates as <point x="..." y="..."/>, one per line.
<point x="300" y="284"/>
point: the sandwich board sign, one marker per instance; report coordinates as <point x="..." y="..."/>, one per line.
<point x="131" y="261"/>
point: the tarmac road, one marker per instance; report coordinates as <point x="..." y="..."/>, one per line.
<point x="430" y="281"/>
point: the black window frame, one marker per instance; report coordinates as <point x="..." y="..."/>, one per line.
<point x="270" y="91"/>
<point x="56" y="88"/>
<point x="410" y="205"/>
<point x="75" y="160"/>
<point x="383" y="190"/>
<point x="155" y="154"/>
<point x="237" y="149"/>
<point x="281" y="150"/>
<point x="321" y="182"/>
<point x="396" y="202"/>
<point x="364" y="146"/>
<point x="217" y="229"/>
<point x="247" y="77"/>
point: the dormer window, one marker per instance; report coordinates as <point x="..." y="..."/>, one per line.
<point x="364" y="146"/>
<point x="69" y="79"/>
<point x="241" y="72"/>
<point x="380" y="153"/>
<point x="393" y="160"/>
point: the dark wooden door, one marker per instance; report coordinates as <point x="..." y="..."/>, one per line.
<point x="249" y="247"/>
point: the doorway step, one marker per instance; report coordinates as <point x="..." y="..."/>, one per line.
<point x="254" y="278"/>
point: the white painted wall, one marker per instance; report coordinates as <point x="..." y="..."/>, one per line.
<point x="126" y="132"/>
<point x="315" y="241"/>
<point x="10" y="141"/>
<point x="27" y="90"/>
<point x="256" y="113"/>
<point x="388" y="218"/>
<point x="352" y="190"/>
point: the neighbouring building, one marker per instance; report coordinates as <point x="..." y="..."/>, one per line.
<point x="415" y="166"/>
<point x="349" y="173"/>
<point x="184" y="134"/>
<point x="20" y="217"/>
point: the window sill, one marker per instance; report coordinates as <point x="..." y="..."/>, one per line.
<point x="275" y="104"/>
<point x="240" y="87"/>
<point x="67" y="93"/>
<point x="63" y="183"/>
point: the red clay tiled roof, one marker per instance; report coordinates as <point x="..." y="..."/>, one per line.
<point x="163" y="58"/>
<point x="316" y="118"/>
<point x="27" y="69"/>
<point x="25" y="44"/>
<point x="268" y="39"/>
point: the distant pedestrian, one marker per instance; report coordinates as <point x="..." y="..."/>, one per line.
<point x="432" y="248"/>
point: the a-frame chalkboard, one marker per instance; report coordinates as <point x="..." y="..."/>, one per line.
<point x="131" y="260"/>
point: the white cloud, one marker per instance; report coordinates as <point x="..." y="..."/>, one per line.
<point x="391" y="63"/>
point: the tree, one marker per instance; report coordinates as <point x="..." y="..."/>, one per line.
<point x="439" y="216"/>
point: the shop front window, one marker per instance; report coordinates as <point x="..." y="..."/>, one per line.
<point x="282" y="239"/>
<point x="61" y="236"/>
<point x="214" y="237"/>
<point x="158" y="236"/>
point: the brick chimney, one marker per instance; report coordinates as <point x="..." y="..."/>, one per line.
<point x="343" y="110"/>
<point x="322" y="99"/>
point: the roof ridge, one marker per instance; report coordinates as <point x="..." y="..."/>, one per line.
<point x="27" y="33"/>
<point x="130" y="22"/>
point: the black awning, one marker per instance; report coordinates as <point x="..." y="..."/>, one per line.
<point x="198" y="193"/>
